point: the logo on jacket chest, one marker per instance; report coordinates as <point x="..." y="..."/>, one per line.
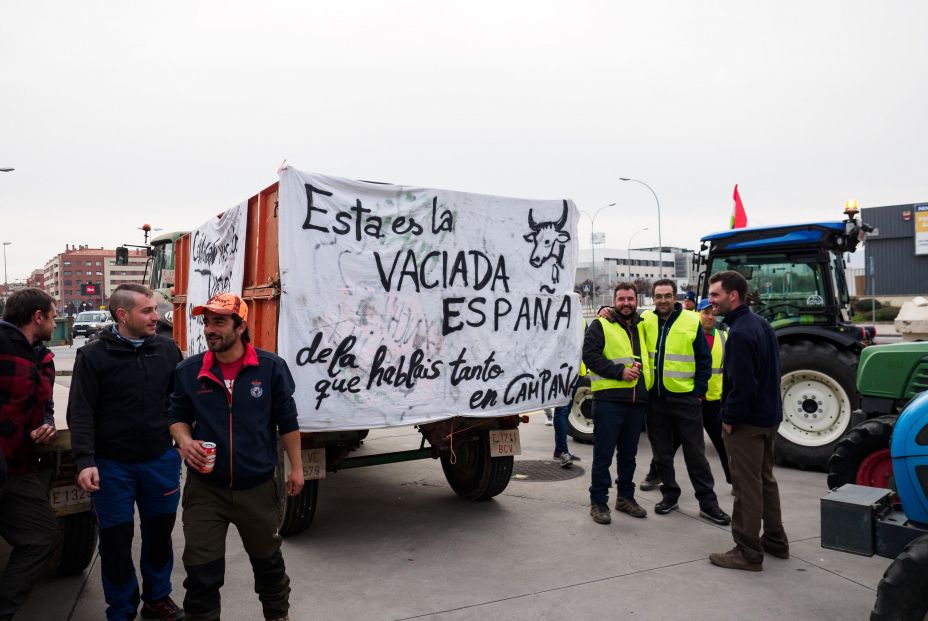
<point x="256" y="389"/>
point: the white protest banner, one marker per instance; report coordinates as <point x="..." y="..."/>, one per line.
<point x="403" y="305"/>
<point x="217" y="265"/>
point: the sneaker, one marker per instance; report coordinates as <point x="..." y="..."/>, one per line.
<point x="629" y="506"/>
<point x="163" y="609"/>
<point x="715" y="514"/>
<point x="735" y="559"/>
<point x="649" y="484"/>
<point x="570" y="456"/>
<point x="565" y="460"/>
<point x="600" y="513"/>
<point x="665" y="506"/>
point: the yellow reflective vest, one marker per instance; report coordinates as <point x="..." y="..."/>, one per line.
<point x="679" y="369"/>
<point x="618" y="349"/>
<point x="582" y="365"/>
<point x="714" y="393"/>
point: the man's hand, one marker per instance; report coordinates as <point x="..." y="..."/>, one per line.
<point x="631" y="373"/>
<point x="43" y="434"/>
<point x="295" y="481"/>
<point x="192" y="452"/>
<point x="727" y="428"/>
<point x="88" y="479"/>
<point x="608" y="314"/>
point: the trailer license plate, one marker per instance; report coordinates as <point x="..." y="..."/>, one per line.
<point x="313" y="463"/>
<point x="68" y="499"/>
<point x="504" y="443"/>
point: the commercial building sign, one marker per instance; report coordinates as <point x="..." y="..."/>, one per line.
<point x="921" y="228"/>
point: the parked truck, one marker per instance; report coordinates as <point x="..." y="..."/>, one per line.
<point x="397" y="305"/>
<point x="796" y="281"/>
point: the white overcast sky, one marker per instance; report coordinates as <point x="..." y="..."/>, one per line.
<point x="115" y="114"/>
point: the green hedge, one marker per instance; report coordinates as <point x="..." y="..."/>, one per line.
<point x="883" y="313"/>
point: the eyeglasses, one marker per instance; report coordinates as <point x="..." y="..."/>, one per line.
<point x="665" y="296"/>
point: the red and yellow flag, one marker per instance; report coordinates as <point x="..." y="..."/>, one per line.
<point x="739" y="219"/>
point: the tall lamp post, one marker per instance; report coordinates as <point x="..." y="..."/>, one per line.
<point x="660" y="242"/>
<point x="5" y="244"/>
<point x="630" y="249"/>
<point x="593" y="244"/>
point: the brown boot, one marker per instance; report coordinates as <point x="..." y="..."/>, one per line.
<point x="735" y="559"/>
<point x="600" y="513"/>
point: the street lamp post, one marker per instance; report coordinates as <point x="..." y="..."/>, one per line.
<point x="629" y="259"/>
<point x="5" y="244"/>
<point x="593" y="244"/>
<point x="660" y="242"/>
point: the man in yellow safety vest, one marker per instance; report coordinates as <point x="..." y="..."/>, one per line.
<point x="615" y="353"/>
<point x="682" y="365"/>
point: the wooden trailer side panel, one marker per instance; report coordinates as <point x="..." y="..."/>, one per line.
<point x="261" y="283"/>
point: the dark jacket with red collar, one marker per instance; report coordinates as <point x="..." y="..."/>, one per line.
<point x="27" y="379"/>
<point x="243" y="423"/>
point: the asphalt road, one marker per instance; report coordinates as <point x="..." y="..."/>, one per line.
<point x="394" y="542"/>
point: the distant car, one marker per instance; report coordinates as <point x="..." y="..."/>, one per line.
<point x="89" y="323"/>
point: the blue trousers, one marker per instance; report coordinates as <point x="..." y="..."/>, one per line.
<point x="616" y="429"/>
<point x="560" y="422"/>
<point x="155" y="487"/>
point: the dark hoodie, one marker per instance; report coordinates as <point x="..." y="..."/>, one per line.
<point x="118" y="403"/>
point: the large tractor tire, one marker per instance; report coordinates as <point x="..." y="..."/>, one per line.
<point x="862" y="456"/>
<point x="296" y="512"/>
<point x="901" y="594"/>
<point x="472" y="473"/>
<point x="78" y="544"/>
<point x="818" y="384"/>
<point x="580" y="418"/>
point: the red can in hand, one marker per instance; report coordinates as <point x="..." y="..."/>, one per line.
<point x="210" y="448"/>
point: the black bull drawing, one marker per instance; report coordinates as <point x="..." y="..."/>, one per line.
<point x="549" y="240"/>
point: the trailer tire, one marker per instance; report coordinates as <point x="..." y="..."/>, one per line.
<point x="861" y="442"/>
<point x="474" y="474"/>
<point x="78" y="544"/>
<point x="296" y="512"/>
<point x="901" y="594"/>
<point x="580" y="417"/>
<point x="819" y="394"/>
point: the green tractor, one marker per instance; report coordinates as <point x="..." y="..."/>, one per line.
<point x="888" y="377"/>
<point x="160" y="279"/>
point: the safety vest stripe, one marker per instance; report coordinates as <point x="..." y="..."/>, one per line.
<point x="680" y="357"/>
<point x="680" y="374"/>
<point x="716" y="371"/>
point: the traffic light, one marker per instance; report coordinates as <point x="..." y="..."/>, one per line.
<point x="122" y="255"/>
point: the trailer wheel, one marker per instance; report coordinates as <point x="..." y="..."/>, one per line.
<point x="818" y="385"/>
<point x="474" y="474"/>
<point x="862" y="456"/>
<point x="296" y="512"/>
<point x="78" y="544"/>
<point x="901" y="594"/>
<point x="580" y="418"/>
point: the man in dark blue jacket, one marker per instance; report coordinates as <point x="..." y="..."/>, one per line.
<point x="751" y="413"/>
<point x="238" y="398"/>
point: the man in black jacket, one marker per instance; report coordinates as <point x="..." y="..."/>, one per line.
<point x="117" y="414"/>
<point x="27" y="377"/>
<point x="751" y="413"/>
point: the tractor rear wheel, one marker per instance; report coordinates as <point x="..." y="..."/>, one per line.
<point x="862" y="456"/>
<point x="818" y="385"/>
<point x="901" y="594"/>
<point x="472" y="473"/>
<point x="580" y="418"/>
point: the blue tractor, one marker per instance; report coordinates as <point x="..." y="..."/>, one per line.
<point x="903" y="591"/>
<point x="796" y="281"/>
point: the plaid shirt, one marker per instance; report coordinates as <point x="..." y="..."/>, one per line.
<point x="27" y="379"/>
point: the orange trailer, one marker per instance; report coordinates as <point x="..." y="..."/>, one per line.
<point x="476" y="454"/>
